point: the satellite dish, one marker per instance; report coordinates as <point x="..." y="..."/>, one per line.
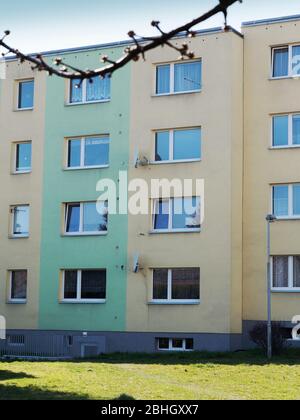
<point x="140" y="162"/>
<point x="136" y="264"/>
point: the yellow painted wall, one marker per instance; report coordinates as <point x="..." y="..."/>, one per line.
<point x="263" y="167"/>
<point x="16" y="126"/>
<point x="218" y="248"/>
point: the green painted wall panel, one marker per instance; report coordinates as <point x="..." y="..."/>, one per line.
<point x="58" y="252"/>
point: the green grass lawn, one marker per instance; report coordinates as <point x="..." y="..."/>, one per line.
<point x="179" y="376"/>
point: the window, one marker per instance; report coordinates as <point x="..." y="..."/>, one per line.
<point x="286" y="201"/>
<point x="88" y="152"/>
<point x="175" y="344"/>
<point x="179" y="77"/>
<point x="20" y="221"/>
<point x="178" y="145"/>
<point x="286" y="272"/>
<point x="90" y="218"/>
<point x="96" y="90"/>
<point x="177" y="215"/>
<point x="17" y="286"/>
<point x="176" y="285"/>
<point x="286" y="61"/>
<point x="22" y="157"/>
<point x="25" y="94"/>
<point x="286" y="130"/>
<point x="84" y="285"/>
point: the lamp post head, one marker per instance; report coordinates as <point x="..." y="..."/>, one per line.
<point x="271" y="218"/>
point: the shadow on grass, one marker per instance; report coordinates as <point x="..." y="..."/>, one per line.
<point x="6" y="375"/>
<point x="13" y="392"/>
<point x="250" y="358"/>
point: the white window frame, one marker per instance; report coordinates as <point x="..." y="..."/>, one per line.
<point x="12" y="211"/>
<point x="78" y="299"/>
<point x="171" y="146"/>
<point x="84" y="95"/>
<point x="290" y="64"/>
<point x="169" y="299"/>
<point x="290" y="287"/>
<point x="82" y="153"/>
<point x="15" y="148"/>
<point x="172" y="78"/>
<point x="81" y="232"/>
<point x="290" y="144"/>
<point x="30" y="108"/>
<point x="174" y="349"/>
<point x="10" y="299"/>
<point x="170" y="229"/>
<point x="290" y="215"/>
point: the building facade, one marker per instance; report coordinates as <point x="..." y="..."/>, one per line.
<point x="79" y="279"/>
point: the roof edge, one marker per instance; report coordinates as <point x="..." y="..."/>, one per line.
<point x="115" y="44"/>
<point x="271" y="21"/>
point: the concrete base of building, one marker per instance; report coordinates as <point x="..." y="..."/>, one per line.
<point x="76" y="344"/>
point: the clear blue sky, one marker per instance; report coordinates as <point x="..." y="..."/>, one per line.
<point x="39" y="25"/>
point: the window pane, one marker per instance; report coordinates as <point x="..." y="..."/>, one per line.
<point x="94" y="217"/>
<point x="19" y="284"/>
<point x="73" y="218"/>
<point x="296" y="129"/>
<point x="26" y="93"/>
<point x="281" y="130"/>
<point x="93" y="284"/>
<point x="280" y="62"/>
<point x="186" y="213"/>
<point x="280" y="271"/>
<point x="281" y="200"/>
<point x="76" y="91"/>
<point x="187" y="144"/>
<point x="96" y="151"/>
<point x="187" y="76"/>
<point x="162" y="146"/>
<point x="74" y="153"/>
<point x="296" y="59"/>
<point x="161" y="217"/>
<point x="23" y="158"/>
<point x="70" y="287"/>
<point x="296" y="200"/>
<point x="177" y="343"/>
<point x="98" y="90"/>
<point x="186" y="284"/>
<point x="21" y="220"/>
<point x="160" y="284"/>
<point x="189" y="344"/>
<point x="163" y="79"/>
<point x="296" y="281"/>
<point x="163" y="343"/>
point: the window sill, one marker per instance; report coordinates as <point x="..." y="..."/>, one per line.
<point x="287" y="218"/>
<point x="18" y="236"/>
<point x="17" y="302"/>
<point x="175" y="350"/>
<point x="159" y="95"/>
<point x="23" y="109"/>
<point x="87" y="102"/>
<point x="285" y="290"/>
<point x="172" y="162"/>
<point x="85" y="168"/>
<point x="294" y="77"/>
<point x="284" y="147"/>
<point x="174" y="302"/>
<point x="21" y="172"/>
<point x="158" y="232"/>
<point x="83" y="301"/>
<point x="72" y="235"/>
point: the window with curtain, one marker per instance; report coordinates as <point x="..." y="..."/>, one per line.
<point x="95" y="90"/>
<point x="281" y="200"/>
<point x="178" y="284"/>
<point x="18" y="286"/>
<point x="296" y="272"/>
<point x="179" y="77"/>
<point x="88" y="152"/>
<point x="280" y="272"/>
<point x="85" y="285"/>
<point x="20" y="221"/>
<point x="280" y="62"/>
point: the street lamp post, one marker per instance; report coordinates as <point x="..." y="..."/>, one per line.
<point x="270" y="219"/>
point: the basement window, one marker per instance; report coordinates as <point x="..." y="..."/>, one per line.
<point x="175" y="344"/>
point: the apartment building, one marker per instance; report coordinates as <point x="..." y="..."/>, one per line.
<point x="78" y="280"/>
